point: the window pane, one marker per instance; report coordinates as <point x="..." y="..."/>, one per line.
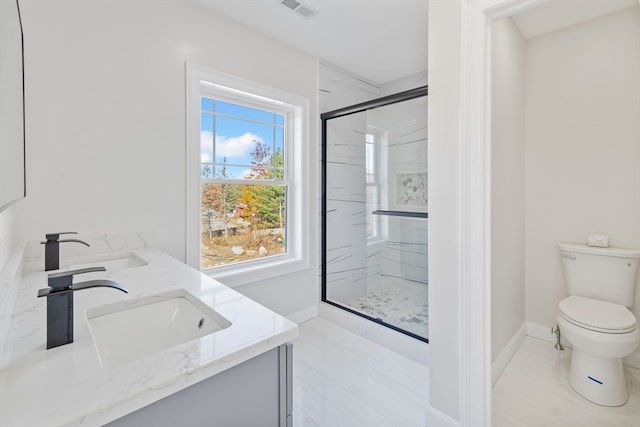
<point x="206" y="170"/>
<point x="206" y="104"/>
<point x="279" y="142"/>
<point x="371" y="205"/>
<point x="244" y="112"/>
<point x="206" y="138"/>
<point x="242" y="142"/>
<point x="369" y="154"/>
<point x="241" y="222"/>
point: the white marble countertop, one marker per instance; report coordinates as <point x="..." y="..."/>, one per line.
<point x="67" y="385"/>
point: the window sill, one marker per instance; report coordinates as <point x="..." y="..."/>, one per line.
<point x="240" y="275"/>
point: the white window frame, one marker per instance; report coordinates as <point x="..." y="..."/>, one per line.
<point x="204" y="82"/>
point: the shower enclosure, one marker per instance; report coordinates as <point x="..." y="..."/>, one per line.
<point x="374" y="211"/>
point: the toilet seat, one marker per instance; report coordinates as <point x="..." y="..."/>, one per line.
<point x="596" y="315"/>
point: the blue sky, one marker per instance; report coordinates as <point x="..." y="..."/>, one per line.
<point x="234" y="137"/>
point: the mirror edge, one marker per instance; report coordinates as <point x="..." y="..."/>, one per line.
<point x="24" y="129"/>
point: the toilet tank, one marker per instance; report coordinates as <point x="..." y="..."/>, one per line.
<point x="607" y="274"/>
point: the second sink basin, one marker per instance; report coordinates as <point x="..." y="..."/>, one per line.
<point x="111" y="261"/>
<point x="128" y="330"/>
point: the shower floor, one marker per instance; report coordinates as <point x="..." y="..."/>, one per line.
<point x="398" y="302"/>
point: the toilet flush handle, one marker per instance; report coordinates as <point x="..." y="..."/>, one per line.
<point x="570" y="256"/>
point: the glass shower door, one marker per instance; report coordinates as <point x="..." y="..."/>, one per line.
<point x="375" y="211"/>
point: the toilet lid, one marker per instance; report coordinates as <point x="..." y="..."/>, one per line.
<point x="600" y="316"/>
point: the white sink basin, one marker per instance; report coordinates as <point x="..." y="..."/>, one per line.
<point x="128" y="330"/>
<point x="111" y="261"/>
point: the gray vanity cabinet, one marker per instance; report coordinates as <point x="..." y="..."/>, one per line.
<point x="256" y="393"/>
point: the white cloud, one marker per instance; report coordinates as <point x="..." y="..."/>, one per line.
<point x="205" y="149"/>
<point x="236" y="149"/>
<point x="246" y="173"/>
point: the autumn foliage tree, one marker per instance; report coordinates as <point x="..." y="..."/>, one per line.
<point x="218" y="200"/>
<point x="265" y="203"/>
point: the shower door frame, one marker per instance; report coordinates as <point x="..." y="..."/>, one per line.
<point x="341" y="112"/>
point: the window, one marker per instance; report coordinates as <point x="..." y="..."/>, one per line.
<point x="244" y="183"/>
<point x="375" y="179"/>
<point x="371" y="182"/>
<point x="245" y="177"/>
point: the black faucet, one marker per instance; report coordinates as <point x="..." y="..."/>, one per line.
<point x="52" y="249"/>
<point x="60" y="302"/>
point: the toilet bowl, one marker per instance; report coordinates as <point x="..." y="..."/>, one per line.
<point x="602" y="333"/>
<point x="596" y="320"/>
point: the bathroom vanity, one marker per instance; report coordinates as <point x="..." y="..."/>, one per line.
<point x="238" y="373"/>
<point x="257" y="392"/>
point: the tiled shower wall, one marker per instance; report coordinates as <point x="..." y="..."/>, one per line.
<point x="405" y="250"/>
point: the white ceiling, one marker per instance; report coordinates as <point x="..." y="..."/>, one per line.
<point x="556" y="14"/>
<point x="380" y="40"/>
<point x="383" y="40"/>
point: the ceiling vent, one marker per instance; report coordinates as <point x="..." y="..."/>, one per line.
<point x="298" y="7"/>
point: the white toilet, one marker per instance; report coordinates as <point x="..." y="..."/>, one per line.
<point x="596" y="320"/>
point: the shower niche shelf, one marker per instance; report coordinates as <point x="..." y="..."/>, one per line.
<point x="401" y="213"/>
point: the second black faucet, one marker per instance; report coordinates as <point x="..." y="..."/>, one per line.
<point x="52" y="249"/>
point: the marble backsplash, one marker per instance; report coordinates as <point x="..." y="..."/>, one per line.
<point x="98" y="244"/>
<point x="10" y="279"/>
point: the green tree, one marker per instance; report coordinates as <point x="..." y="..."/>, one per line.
<point x="270" y="205"/>
<point x="265" y="203"/>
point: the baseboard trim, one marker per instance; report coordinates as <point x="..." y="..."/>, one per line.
<point x="541" y="332"/>
<point x="507" y="353"/>
<point x="304" y="314"/>
<point x="437" y="418"/>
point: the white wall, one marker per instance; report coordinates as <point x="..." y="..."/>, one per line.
<point x="7" y="221"/>
<point x="582" y="147"/>
<point x="507" y="186"/>
<point x="444" y="211"/>
<point x="105" y="87"/>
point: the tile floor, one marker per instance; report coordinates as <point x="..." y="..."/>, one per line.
<point x="344" y="380"/>
<point x="533" y="392"/>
